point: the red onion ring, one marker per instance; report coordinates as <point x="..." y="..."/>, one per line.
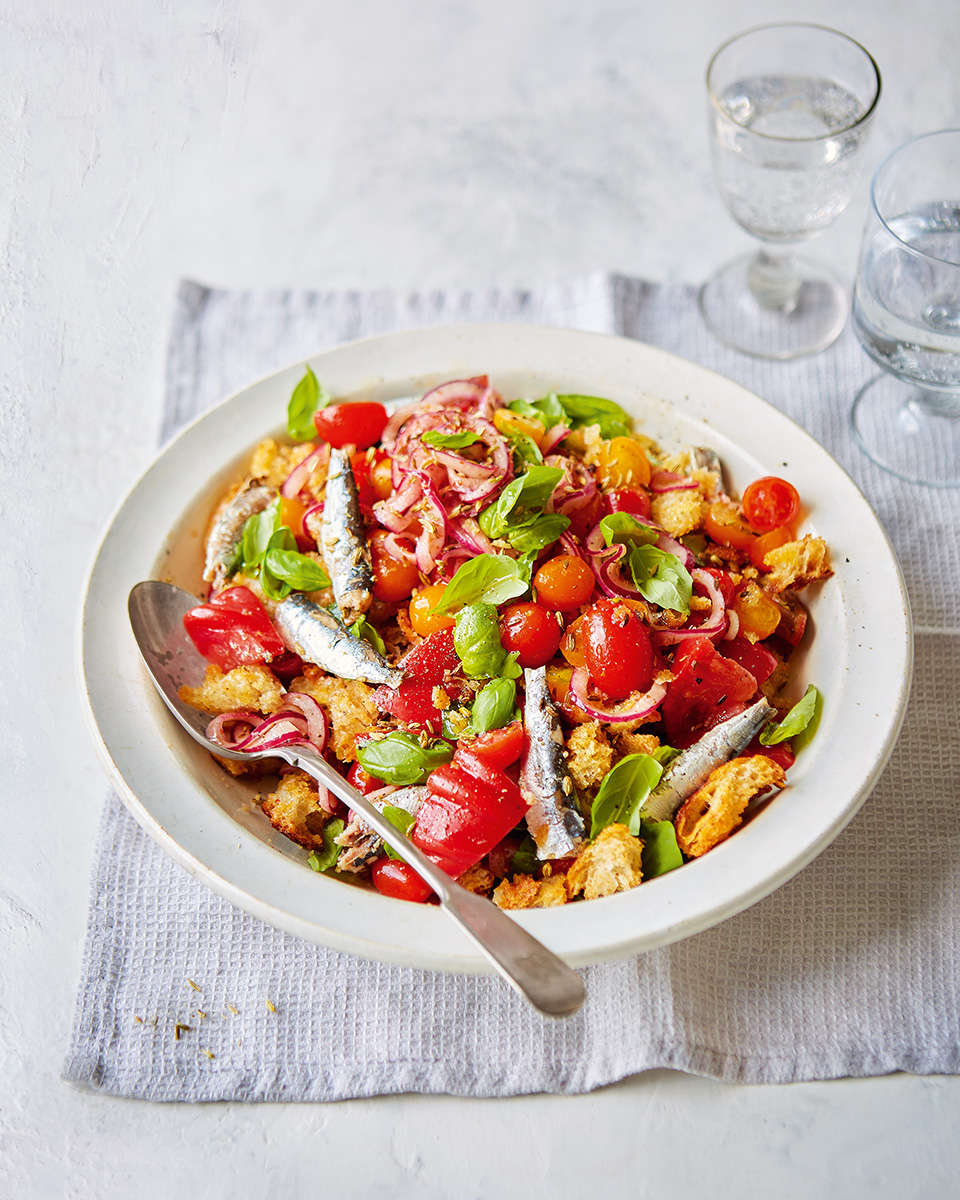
<point x="712" y="627"/>
<point x="296" y="481"/>
<point x="668" y="481"/>
<point x="632" y="709"/>
<point x="552" y="439"/>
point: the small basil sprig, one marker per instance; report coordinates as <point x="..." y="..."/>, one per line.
<point x="521" y="501"/>
<point x="796" y="721"/>
<point x="541" y="532"/>
<point x="524" y="860"/>
<point x="450" y="441"/>
<point x="494" y="707"/>
<point x="476" y="639"/>
<point x="400" y="819"/>
<point x="487" y="579"/>
<point x="623" y="791"/>
<point x="308" y="396"/>
<point x="576" y="411"/>
<point x="298" y="571"/>
<point x="401" y="759"/>
<point x="326" y="859"/>
<point x="660" y="852"/>
<point x="660" y="577"/>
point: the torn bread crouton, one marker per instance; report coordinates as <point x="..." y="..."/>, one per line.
<point x="590" y="755"/>
<point x="716" y="809"/>
<point x="678" y="512"/>
<point x="348" y="704"/>
<point x="611" y="863"/>
<point x="295" y="810"/>
<point x="272" y="462"/>
<point x="477" y="880"/>
<point x="523" y="891"/>
<point x="252" y="688"/>
<point x="629" y="742"/>
<point x="796" y="564"/>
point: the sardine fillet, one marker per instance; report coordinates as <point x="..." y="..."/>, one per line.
<point x="554" y="817"/>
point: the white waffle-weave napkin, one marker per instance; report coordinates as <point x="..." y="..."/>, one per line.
<point x="853" y="968"/>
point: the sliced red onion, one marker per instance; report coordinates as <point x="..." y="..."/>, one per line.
<point x="401" y="547"/>
<point x="734" y="627"/>
<point x="433" y="520"/>
<point x="296" y="481"/>
<point x="317" y="729"/>
<point x="632" y="709"/>
<point x="218" y="731"/>
<point x="668" y="481"/>
<point x="552" y="439"/>
<point x="714" y="624"/>
<point x="677" y="549"/>
<point x="576" y="488"/>
<point x="460" y="393"/>
<point x="467" y="533"/>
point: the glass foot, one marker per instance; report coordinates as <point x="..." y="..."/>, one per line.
<point x="813" y="321"/>
<point x="912" y="434"/>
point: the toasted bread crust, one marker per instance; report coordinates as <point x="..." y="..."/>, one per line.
<point x="713" y="812"/>
<point x="611" y="863"/>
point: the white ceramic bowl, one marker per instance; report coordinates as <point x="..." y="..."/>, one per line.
<point x="860" y="656"/>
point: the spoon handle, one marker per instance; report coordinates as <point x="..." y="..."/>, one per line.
<point x="526" y="964"/>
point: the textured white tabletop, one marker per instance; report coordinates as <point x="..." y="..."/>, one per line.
<point x="353" y="143"/>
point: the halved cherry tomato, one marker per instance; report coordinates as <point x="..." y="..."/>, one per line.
<point x="707" y="689"/>
<point x="571" y="644"/>
<point x="617" y="649"/>
<point x="623" y="464"/>
<point x="381" y="477"/>
<point x="769" y="502"/>
<point x="782" y="753"/>
<point x="724" y="583"/>
<point x="564" y="583"/>
<point x="397" y="879"/>
<point x="363" y="782"/>
<point x="758" y="613"/>
<point x="722" y="523"/>
<point x="470" y="807"/>
<point x="363" y="464"/>
<point x="532" y="631"/>
<point x="499" y="747"/>
<point x="424" y="621"/>
<point x="359" y="424"/>
<point x="233" y="629"/>
<point x="393" y="578"/>
<point x="292" y="513"/>
<point x="769" y="541"/>
<point x="628" y="500"/>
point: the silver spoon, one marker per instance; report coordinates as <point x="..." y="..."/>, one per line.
<point x="156" y="614"/>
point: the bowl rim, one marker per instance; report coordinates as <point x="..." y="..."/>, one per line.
<point x="184" y="819"/>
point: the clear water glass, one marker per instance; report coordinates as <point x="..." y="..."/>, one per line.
<point x="791" y="107"/>
<point x="906" y="312"/>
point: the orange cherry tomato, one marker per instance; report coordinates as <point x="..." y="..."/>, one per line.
<point x="759" y="615"/>
<point x="571" y="644"/>
<point x="564" y="583"/>
<point x="422" y="618"/>
<point x="292" y="513"/>
<point x="770" y="502"/>
<point x="381" y="478"/>
<point x="767" y="542"/>
<point x="722" y="523"/>
<point x="393" y="578"/>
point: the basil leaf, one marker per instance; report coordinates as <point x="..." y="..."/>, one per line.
<point x="302" y="573"/>
<point x="511" y="669"/>
<point x="521" y="499"/>
<point x="623" y="791"/>
<point x="796" y="720"/>
<point x="594" y="410"/>
<point x="362" y="628"/>
<point x="400" y="759"/>
<point x="661" y="578"/>
<point x="308" y="396"/>
<point x="494" y="706"/>
<point x="325" y="859"/>
<point x="665" y="754"/>
<point x="548" y="410"/>
<point x="476" y="639"/>
<point x="660" y="852"/>
<point x="490" y="578"/>
<point x="540" y="533"/>
<point x="400" y="819"/>
<point x="450" y="441"/>
<point x="256" y="535"/>
<point x="525" y="449"/>
<point x="524" y="861"/>
<point x="623" y="527"/>
<point x="274" y="586"/>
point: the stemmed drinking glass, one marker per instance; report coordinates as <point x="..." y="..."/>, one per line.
<point x="906" y="312"/>
<point x="790" y="109"/>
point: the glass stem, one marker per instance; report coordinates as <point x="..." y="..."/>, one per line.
<point x="774" y="280"/>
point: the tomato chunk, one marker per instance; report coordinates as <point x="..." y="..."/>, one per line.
<point x="233" y="629"/>
<point x="359" y="424"/>
<point x="427" y="665"/>
<point x="757" y="659"/>
<point x="617" y="649"/>
<point x="391" y="877"/>
<point x="499" y="747"/>
<point x="708" y="689"/>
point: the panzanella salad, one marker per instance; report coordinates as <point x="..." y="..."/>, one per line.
<point x="552" y="653"/>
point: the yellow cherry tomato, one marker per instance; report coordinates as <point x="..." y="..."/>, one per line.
<point x="623" y="464"/>
<point x="759" y="615"/>
<point x="510" y="422"/>
<point x="422" y="618"/>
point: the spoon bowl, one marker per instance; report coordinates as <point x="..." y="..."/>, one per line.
<point x="156" y="615"/>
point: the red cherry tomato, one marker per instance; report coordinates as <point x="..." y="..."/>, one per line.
<point x="393" y="578"/>
<point x="233" y="629"/>
<point x="391" y="877"/>
<point x="363" y="782"/>
<point x="500" y="747"/>
<point x="564" y="583"/>
<point x="628" y="500"/>
<point x="769" y="502"/>
<point x="359" y="424"/>
<point x="532" y="631"/>
<point x="617" y="650"/>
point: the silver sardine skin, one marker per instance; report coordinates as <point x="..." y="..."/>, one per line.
<point x="691" y="769"/>
<point x="226" y="529"/>
<point x="361" y="843"/>
<point x="318" y="637"/>
<point x="342" y="542"/>
<point x="554" y="817"/>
